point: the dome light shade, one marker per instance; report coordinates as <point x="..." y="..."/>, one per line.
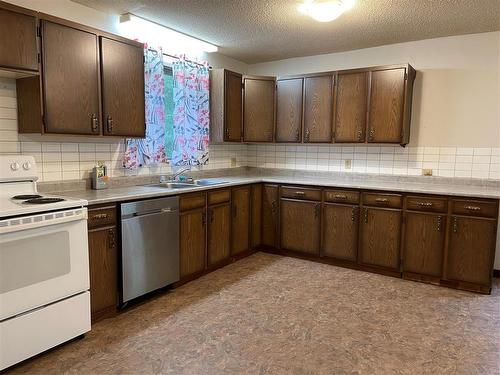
<point x="325" y="11"/>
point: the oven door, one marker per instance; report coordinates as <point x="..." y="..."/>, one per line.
<point x="43" y="258"/>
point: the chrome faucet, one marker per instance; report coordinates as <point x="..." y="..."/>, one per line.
<point x="173" y="176"/>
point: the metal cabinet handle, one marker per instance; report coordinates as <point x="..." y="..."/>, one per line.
<point x="360" y="134"/>
<point x="473" y="208"/>
<point x="381" y="200"/>
<point x="297" y="135"/>
<point x="307" y="135"/>
<point x="366" y="215"/>
<point x="425" y="204"/>
<point x="455" y="224"/>
<point x="317" y="210"/>
<point x="439" y="223"/>
<point x="300" y="193"/>
<point x="94" y="122"/>
<point x="340" y="196"/>
<point x="109" y="121"/>
<point x="227" y="133"/>
<point x="371" y="134"/>
<point x="274" y="207"/>
<point x="99" y="216"/>
<point x="354" y="213"/>
<point x="111" y="239"/>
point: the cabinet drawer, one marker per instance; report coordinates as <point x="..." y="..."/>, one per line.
<point x="475" y="208"/>
<point x="383" y="200"/>
<point x="192" y="201"/>
<point x="301" y="193"/>
<point x="102" y="216"/>
<point x="342" y="196"/>
<point x="219" y="196"/>
<point x="426" y="204"/>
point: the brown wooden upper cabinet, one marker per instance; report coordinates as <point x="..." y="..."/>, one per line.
<point x="18" y="48"/>
<point x="226" y="106"/>
<point x="318" y="103"/>
<point x="289" y="104"/>
<point x="122" y="70"/>
<point x="390" y="104"/>
<point x="80" y="66"/>
<point x="259" y="97"/>
<point x="351" y="103"/>
<point x="70" y="80"/>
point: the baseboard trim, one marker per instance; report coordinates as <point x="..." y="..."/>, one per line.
<point x="496" y="273"/>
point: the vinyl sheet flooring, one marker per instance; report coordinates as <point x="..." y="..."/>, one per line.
<point x="268" y="314"/>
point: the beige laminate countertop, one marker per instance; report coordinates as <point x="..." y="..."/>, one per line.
<point x="383" y="184"/>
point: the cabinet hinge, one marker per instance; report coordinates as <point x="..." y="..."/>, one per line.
<point x="38" y="57"/>
<point x="38" y="31"/>
<point x="243" y="85"/>
<point x="406" y="76"/>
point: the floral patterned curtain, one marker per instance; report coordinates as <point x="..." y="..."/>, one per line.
<point x="151" y="149"/>
<point x="191" y="113"/>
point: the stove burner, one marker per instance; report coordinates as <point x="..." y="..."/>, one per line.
<point x="26" y="196"/>
<point x="44" y="200"/>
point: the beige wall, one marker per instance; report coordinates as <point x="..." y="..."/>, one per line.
<point x="457" y="90"/>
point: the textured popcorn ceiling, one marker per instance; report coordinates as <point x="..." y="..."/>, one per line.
<point x="258" y="31"/>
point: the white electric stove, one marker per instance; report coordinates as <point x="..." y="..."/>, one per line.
<point x="44" y="265"/>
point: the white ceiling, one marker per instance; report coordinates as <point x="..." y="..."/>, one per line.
<point x="259" y="30"/>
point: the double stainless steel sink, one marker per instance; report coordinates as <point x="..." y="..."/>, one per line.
<point x="187" y="185"/>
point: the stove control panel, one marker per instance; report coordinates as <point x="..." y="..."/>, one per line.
<point x="18" y="168"/>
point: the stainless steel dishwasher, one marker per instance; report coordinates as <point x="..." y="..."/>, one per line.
<point x="150" y="246"/>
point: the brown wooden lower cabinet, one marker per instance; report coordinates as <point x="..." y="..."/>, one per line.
<point x="471" y="250"/>
<point x="300" y="225"/>
<point x="103" y="261"/>
<point x="219" y="239"/>
<point x="380" y="233"/>
<point x="423" y="247"/>
<point x="340" y="231"/>
<point x="240" y="239"/>
<point x="270" y="207"/>
<point x="256" y="219"/>
<point x="192" y="241"/>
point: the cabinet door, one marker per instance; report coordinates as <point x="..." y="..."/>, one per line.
<point x="219" y="223"/>
<point x="350" y="107"/>
<point x="18" y="49"/>
<point x="270" y="206"/>
<point x="258" y="109"/>
<point x="380" y="238"/>
<point x="232" y="106"/>
<point x="424" y="243"/>
<point x="289" y="94"/>
<point x="256" y="219"/>
<point x="318" y="109"/>
<point x="70" y="80"/>
<point x="192" y="242"/>
<point x="122" y="71"/>
<point x="471" y="250"/>
<point x="340" y="231"/>
<point x="386" y="106"/>
<point x="300" y="225"/>
<point x="241" y="219"/>
<point x="103" y="259"/>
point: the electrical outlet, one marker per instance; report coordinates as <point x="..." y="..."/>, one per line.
<point x="426" y="172"/>
<point x="233" y="162"/>
<point x="347" y="164"/>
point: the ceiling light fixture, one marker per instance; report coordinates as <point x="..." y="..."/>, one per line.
<point x="326" y="10"/>
<point x="155" y="34"/>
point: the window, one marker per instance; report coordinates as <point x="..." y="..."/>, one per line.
<point x="169" y="109"/>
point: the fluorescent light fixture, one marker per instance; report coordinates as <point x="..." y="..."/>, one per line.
<point x="326" y="10"/>
<point x="157" y="35"/>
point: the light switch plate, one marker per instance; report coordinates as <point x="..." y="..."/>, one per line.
<point x="426" y="172"/>
<point x="233" y="162"/>
<point x="347" y="164"/>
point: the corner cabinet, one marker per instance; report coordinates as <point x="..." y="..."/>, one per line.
<point x="81" y="89"/>
<point x="259" y="98"/>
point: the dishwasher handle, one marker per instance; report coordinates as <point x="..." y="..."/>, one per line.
<point x="149" y="213"/>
